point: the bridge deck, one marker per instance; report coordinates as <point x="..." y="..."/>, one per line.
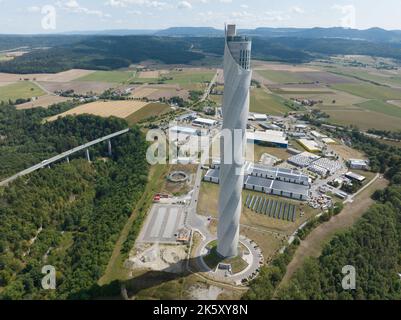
<point x="62" y="156"/>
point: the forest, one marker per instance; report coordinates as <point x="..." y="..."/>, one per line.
<point x="113" y="52"/>
<point x="71" y="214"/>
<point x="372" y="245"/>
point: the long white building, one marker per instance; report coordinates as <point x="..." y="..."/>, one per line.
<point x="237" y="81"/>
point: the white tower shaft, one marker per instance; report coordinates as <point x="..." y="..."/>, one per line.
<point x="237" y="77"/>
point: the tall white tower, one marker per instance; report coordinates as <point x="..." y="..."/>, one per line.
<point x="237" y="81"/>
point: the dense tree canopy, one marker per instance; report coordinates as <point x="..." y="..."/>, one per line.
<point x="68" y="216"/>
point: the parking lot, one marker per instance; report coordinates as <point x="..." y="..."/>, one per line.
<point x="163" y="224"/>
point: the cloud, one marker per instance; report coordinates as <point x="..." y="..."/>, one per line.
<point x="32" y="9"/>
<point x="184" y="5"/>
<point x="296" y="9"/>
<point x="75" y="7"/>
<point x="143" y="3"/>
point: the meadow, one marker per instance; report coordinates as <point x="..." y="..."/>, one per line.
<point x="262" y="102"/>
<point x="281" y="76"/>
<point x="150" y="110"/>
<point x="20" y="90"/>
<point x="369" y="91"/>
<point x="109" y="76"/>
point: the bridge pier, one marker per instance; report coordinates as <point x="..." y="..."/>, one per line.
<point x="68" y="159"/>
<point x="88" y="155"/>
<point x="109" y="146"/>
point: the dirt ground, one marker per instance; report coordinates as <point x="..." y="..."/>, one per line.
<point x="43" y="101"/>
<point x="65" y="76"/>
<point x="155" y="92"/>
<point x="314" y="242"/>
<point x="154" y="74"/>
<point x="79" y="87"/>
<point x="121" y="109"/>
<point x="347" y="152"/>
<point x="260" y="65"/>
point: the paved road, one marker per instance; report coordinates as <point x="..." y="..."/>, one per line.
<point x="59" y="157"/>
<point x="209" y="89"/>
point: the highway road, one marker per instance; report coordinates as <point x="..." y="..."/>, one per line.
<point x="61" y="156"/>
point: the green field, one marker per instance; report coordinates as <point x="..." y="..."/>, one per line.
<point x="383" y="78"/>
<point x="369" y="91"/>
<point x="20" y="90"/>
<point x="382" y="107"/>
<point x="190" y="77"/>
<point x="281" y="76"/>
<point x="109" y="76"/>
<point x="151" y="110"/>
<point x="363" y="119"/>
<point x="262" y="102"/>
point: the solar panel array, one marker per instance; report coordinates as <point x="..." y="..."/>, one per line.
<point x="272" y="208"/>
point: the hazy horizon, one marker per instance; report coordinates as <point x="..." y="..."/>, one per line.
<point x="65" y="16"/>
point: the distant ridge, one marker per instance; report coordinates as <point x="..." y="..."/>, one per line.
<point x="372" y="34"/>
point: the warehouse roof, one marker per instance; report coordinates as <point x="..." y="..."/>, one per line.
<point x="278" y="185"/>
<point x="271" y="136"/>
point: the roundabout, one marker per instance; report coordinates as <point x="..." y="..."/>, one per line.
<point x="236" y="270"/>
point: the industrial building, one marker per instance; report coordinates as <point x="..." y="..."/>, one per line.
<point x="204" y="122"/>
<point x="318" y="135"/>
<point x="257" y="117"/>
<point x="329" y="141"/>
<point x="269" y="126"/>
<point x="183" y="130"/>
<point x="272" y="137"/>
<point x="358" y="164"/>
<point x="187" y="116"/>
<point x="310" y="145"/>
<point x="277" y="181"/>
<point x="280" y="174"/>
<point x="303" y="159"/>
<point x="355" y="177"/>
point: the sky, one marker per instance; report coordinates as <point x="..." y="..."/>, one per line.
<point x="52" y="16"/>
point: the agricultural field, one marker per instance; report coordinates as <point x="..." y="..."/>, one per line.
<point x="23" y="90"/>
<point x="363" y="119"/>
<point x="120" y="109"/>
<point x="262" y="102"/>
<point x="150" y="110"/>
<point x="369" y="91"/>
<point x="43" y="101"/>
<point x="109" y="76"/>
<point x="384" y="77"/>
<point x="187" y="78"/>
<point x="381" y="107"/>
<point x="362" y="96"/>
<point x="79" y="87"/>
<point x="282" y="76"/>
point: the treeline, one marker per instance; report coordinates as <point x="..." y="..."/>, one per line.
<point x="372" y="246"/>
<point x="396" y="135"/>
<point x="22" y="140"/>
<point x="113" y="52"/>
<point x="69" y="216"/>
<point x="103" y="53"/>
